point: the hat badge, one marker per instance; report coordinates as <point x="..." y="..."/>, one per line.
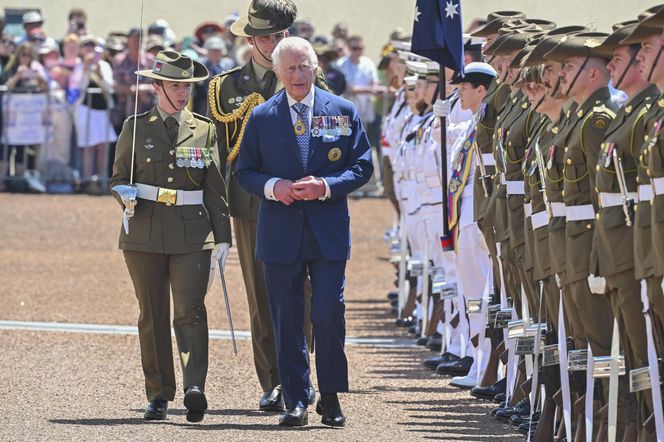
<point x="185" y="74"/>
<point x="592" y="42"/>
<point x="563" y="39"/>
<point x="157" y="66"/>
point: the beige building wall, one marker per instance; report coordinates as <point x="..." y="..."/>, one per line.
<point x="374" y="19"/>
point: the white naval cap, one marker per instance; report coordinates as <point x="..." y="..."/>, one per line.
<point x="423" y="68"/>
<point x="410" y="81"/>
<point x="405" y="56"/>
<point x="475" y="72"/>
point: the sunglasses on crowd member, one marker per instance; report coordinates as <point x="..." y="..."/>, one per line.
<point x="357" y="48"/>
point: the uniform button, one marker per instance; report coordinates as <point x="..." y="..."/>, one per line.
<point x="596" y="191"/>
<point x="171" y="152"/>
<point x="566" y="149"/>
<point x="569" y="161"/>
<point x="648" y="172"/>
<point x="638" y="180"/>
<point x="597" y="216"/>
<point x="597" y="168"/>
<point x="171" y="166"/>
<point x="563" y="193"/>
<point x="589" y="226"/>
<point x="169" y="179"/>
<point x="299" y="212"/>
<point x="148" y="160"/>
<point x="602" y="145"/>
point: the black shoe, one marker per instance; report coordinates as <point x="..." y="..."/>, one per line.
<point x="522" y="407"/>
<point x="435" y="342"/>
<point x="500" y="397"/>
<point x="392" y="295"/>
<point x="524" y="428"/>
<point x="519" y="419"/>
<point x="434" y="361"/>
<point x="272" y="400"/>
<point x="328" y="406"/>
<point x="412" y="330"/>
<point x="297" y="417"/>
<point x="311" y="395"/>
<point x="196" y="403"/>
<point x="156" y="410"/>
<point x="501" y="406"/>
<point x="460" y="367"/>
<point x="406" y="321"/>
<point x="394" y="302"/>
<point x="490" y="392"/>
<point x="422" y="341"/>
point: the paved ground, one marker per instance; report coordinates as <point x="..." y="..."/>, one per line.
<point x="59" y="263"/>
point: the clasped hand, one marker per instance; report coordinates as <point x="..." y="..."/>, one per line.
<point x="308" y="188"/>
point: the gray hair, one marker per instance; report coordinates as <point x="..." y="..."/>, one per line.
<point x="294" y="43"/>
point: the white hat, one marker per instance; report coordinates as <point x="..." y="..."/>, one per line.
<point x="32" y="17"/>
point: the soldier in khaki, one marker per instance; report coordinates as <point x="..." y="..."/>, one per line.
<point x="584" y="79"/>
<point x="232" y="96"/>
<point x="180" y="216"/>
<point x="614" y="220"/>
<point x="652" y="69"/>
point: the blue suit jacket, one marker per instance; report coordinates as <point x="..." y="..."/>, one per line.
<point x="269" y="149"/>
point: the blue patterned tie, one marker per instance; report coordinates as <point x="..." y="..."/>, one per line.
<point x="303" y="139"/>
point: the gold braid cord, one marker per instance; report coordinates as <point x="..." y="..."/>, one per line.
<point x="240" y="113"/>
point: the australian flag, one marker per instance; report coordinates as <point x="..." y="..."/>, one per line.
<point x="437" y="32"/>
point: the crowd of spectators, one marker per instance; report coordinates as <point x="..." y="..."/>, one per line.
<point x="91" y="85"/>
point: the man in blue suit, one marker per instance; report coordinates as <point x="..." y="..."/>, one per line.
<point x="303" y="152"/>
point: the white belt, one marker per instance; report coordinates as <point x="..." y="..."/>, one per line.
<point x="528" y="209"/>
<point x="488" y="159"/>
<point x="169" y="196"/>
<point x="613" y="199"/>
<point x="658" y="184"/>
<point x="645" y="192"/>
<point x="540" y="219"/>
<point x="558" y="209"/>
<point x="514" y="187"/>
<point x="580" y="213"/>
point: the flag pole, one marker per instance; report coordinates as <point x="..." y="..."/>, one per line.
<point x="443" y="152"/>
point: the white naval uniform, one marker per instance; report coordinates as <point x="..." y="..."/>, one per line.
<point x="472" y="259"/>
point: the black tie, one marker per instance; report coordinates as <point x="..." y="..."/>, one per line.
<point x="270" y="83"/>
<point x="172" y="127"/>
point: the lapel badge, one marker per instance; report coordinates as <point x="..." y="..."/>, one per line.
<point x="334" y="154"/>
<point x="153" y="119"/>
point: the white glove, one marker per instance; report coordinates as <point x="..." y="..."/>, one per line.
<point x="597" y="284"/>
<point x="220" y="253"/>
<point x="442" y="108"/>
<point x="436" y="130"/>
<point x="130" y="206"/>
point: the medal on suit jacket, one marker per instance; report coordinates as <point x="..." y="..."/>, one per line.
<point x="299" y="127"/>
<point x="330" y="125"/>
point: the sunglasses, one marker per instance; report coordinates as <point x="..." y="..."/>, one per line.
<point x="357" y="48"/>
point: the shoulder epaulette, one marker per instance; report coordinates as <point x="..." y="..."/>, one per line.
<point x="228" y="72"/>
<point x="141" y="115"/>
<point x="201" y="117"/>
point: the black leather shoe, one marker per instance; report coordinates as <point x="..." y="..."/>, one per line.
<point x="156" y="410"/>
<point x="522" y="407"/>
<point x="421" y="341"/>
<point x="500" y="397"/>
<point x="196" y="403"/>
<point x="272" y="400"/>
<point x="455" y="368"/>
<point x="434" y="361"/>
<point x="297" y="417"/>
<point x="311" y="395"/>
<point x="328" y="406"/>
<point x="501" y="406"/>
<point x="519" y="419"/>
<point x="392" y="295"/>
<point x="435" y="342"/>
<point x="490" y="392"/>
<point x="394" y="302"/>
<point x="406" y="321"/>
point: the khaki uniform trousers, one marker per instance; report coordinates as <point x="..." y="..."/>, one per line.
<point x="154" y="276"/>
<point x="262" y="332"/>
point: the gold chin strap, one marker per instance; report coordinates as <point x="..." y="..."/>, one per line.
<point x="240" y="113"/>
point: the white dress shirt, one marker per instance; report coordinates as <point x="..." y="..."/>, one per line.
<point x="268" y="189"/>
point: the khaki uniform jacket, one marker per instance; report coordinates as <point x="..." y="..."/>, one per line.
<point x="644" y="264"/>
<point x="554" y="153"/>
<point x="532" y="197"/>
<point x="589" y="126"/>
<point x="495" y="99"/>
<point x="615" y="240"/>
<point x="156" y="227"/>
<point x="507" y="118"/>
<point x="228" y="92"/>
<point x="655" y="169"/>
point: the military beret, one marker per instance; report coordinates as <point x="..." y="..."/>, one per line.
<point x="577" y="45"/>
